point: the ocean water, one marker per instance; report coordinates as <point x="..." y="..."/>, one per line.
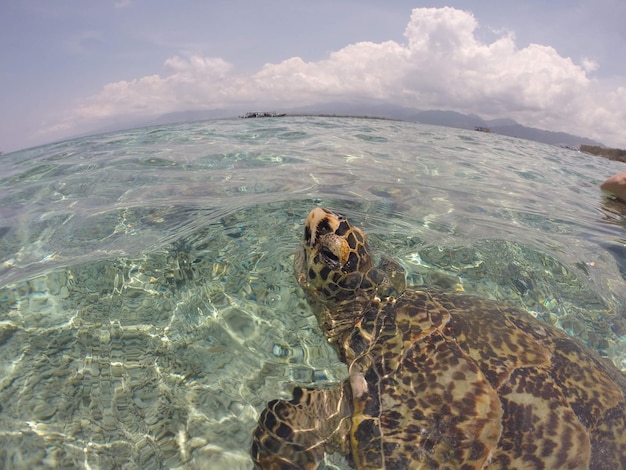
<point x="148" y="309"/>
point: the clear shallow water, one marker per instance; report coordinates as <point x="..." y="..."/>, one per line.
<point x="148" y="309"/>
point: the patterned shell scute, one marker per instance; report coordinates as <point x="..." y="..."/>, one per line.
<point x="562" y="405"/>
<point x="425" y="401"/>
<point x="454" y="380"/>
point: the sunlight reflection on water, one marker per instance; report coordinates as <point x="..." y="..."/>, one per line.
<point x="148" y="304"/>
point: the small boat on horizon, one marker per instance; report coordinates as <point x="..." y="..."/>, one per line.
<point x="263" y="114"/>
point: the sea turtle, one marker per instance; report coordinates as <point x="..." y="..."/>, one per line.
<point x="437" y="380"/>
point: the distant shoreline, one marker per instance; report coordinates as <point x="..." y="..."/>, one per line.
<point x="270" y="115"/>
<point x="610" y="153"/>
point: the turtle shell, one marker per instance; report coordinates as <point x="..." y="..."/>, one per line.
<point x="447" y="381"/>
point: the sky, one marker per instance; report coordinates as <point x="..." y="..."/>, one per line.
<point x="73" y="67"/>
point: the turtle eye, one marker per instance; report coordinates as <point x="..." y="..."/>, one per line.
<point x="329" y="257"/>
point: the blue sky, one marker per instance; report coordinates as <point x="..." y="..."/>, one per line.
<point x="71" y="67"/>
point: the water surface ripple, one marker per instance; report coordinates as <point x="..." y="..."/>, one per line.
<point x="148" y="309"/>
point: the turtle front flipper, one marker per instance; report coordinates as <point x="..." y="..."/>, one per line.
<point x="295" y="434"/>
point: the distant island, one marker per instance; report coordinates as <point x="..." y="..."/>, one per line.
<point x="611" y="154"/>
<point x="272" y="114"/>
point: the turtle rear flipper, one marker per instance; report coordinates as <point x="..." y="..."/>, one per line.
<point x="295" y="434"/>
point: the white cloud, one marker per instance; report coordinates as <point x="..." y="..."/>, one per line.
<point x="589" y="65"/>
<point x="441" y="65"/>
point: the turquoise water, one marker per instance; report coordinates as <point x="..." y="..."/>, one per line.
<point x="148" y="309"/>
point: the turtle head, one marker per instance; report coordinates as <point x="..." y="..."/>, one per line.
<point x="336" y="270"/>
<point x="332" y="262"/>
